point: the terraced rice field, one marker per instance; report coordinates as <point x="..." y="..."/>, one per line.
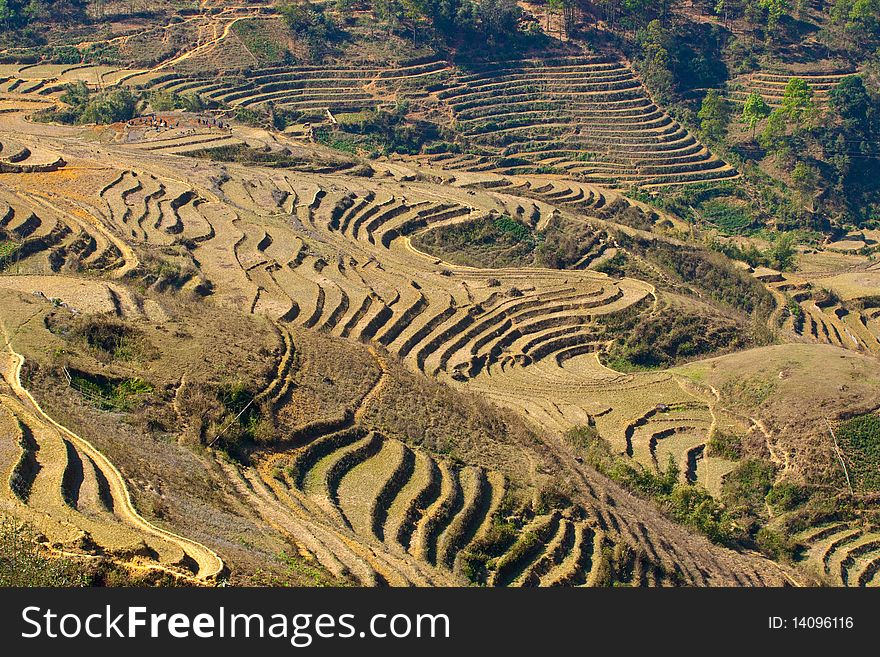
<point x="145" y="208"/>
<point x="650" y="417"/>
<point x="309" y="91"/>
<point x="844" y="553"/>
<point x="575" y="197"/>
<point x="46" y="237"/>
<point x="183" y="142"/>
<point x="384" y="512"/>
<point x="848" y="323"/>
<point x="329" y="253"/>
<point x="585" y="116"/>
<point x="15" y="157"/>
<point x="771" y="85"/>
<point x="445" y="320"/>
<point x="49" y="79"/>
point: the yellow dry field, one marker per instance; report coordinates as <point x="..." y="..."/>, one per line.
<point x="853" y="285"/>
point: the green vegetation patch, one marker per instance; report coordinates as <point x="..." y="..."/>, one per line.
<point x="381" y="131"/>
<point x="729" y="219"/>
<point x="502" y="241"/>
<point x="260" y="42"/>
<point x="109" y="394"/>
<point x="725" y="445"/>
<point x="82" y="106"/>
<point x="648" y="341"/>
<point x="341" y="141"/>
<point x="709" y="272"/>
<point x="8" y="250"/>
<point x="24" y="562"/>
<point x="491" y="242"/>
<point x="735" y="520"/>
<point x="746" y="487"/>
<point x="859" y="439"/>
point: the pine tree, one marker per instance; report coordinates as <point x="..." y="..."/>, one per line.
<point x="755" y="110"/>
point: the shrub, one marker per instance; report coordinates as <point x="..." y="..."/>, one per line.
<point x="109" y="107"/>
<point x="775" y="545"/>
<point x="24" y="562"/>
<point x="106" y="337"/>
<point x="646" y="341"/>
<point x="162" y="100"/>
<point x="709" y="272"/>
<point x="485" y="242"/>
<point x="311" y="24"/>
<point x="725" y="445"/>
<point x="745" y="487"/>
<point x="787" y="496"/>
<point x="695" y="507"/>
<point x="613" y="266"/>
<point x="85" y="107"/>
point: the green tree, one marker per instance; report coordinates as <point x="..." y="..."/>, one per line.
<point x="6" y="13"/>
<point x="311" y="23"/>
<point x="775" y="11"/>
<point x="783" y="252"/>
<point x="850" y="100"/>
<point x="797" y="101"/>
<point x="714" y="115"/>
<point x="76" y="94"/>
<point x="755" y="110"/>
<point x="859" y="18"/>
<point x="774" y="136"/>
<point x="389" y="12"/>
<point x="656" y="65"/>
<point x="111" y="107"/>
<point x="554" y="7"/>
<point x="497" y="19"/>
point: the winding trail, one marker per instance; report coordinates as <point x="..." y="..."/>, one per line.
<point x="209" y="44"/>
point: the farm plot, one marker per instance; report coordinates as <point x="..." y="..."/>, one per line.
<point x="161" y="211"/>
<point x="649" y="417"/>
<point x="42" y="237"/>
<point x="770" y="85"/>
<point x="584" y="116"/>
<point x="844" y="553"/>
<point x="16" y="157"/>
<point x="838" y="310"/>
<point x="332" y="254"/>
<point x="445" y="320"/>
<point x="391" y="513"/>
<point x="311" y="92"/>
<point x="49" y="80"/>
